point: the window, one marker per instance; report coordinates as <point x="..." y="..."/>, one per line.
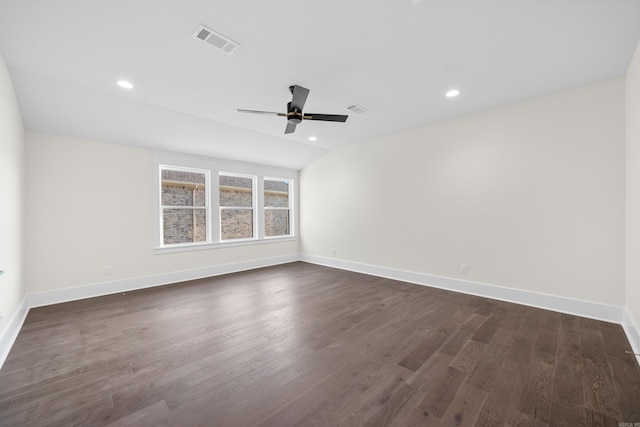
<point x="184" y="205"/>
<point x="202" y="202"/>
<point x="277" y="220"/>
<point x="236" y="206"/>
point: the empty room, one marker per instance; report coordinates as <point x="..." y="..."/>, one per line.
<point x="340" y="213"/>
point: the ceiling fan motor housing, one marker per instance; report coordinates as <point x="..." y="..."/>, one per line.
<point x="294" y="115"/>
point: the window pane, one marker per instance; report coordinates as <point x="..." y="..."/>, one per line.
<point x="236" y="191"/>
<point x="276" y="194"/>
<point x="184" y="225"/>
<point x="276" y="222"/>
<point x="180" y="188"/>
<point x="236" y="223"/>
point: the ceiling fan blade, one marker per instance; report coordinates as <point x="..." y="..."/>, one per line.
<point x="299" y="96"/>
<point x="268" y="113"/>
<point x="291" y="127"/>
<point x="326" y="117"/>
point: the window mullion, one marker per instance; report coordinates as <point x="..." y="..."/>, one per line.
<point x="259" y="204"/>
<point x="214" y="212"/>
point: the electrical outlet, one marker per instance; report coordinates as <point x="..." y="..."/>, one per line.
<point x="108" y="271"/>
<point x="464" y="269"/>
<point x="333" y="251"/>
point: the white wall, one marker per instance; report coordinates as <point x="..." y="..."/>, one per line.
<point x="530" y="196"/>
<point x="11" y="201"/>
<point x="633" y="195"/>
<point x="90" y="206"/>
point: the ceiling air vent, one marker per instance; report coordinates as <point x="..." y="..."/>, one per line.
<point x="355" y="108"/>
<point x="223" y="43"/>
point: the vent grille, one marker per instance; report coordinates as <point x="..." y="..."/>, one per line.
<point x="203" y="34"/>
<point x="355" y="108"/>
<point x="217" y="40"/>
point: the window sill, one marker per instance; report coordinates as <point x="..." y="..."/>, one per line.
<point x="220" y="245"/>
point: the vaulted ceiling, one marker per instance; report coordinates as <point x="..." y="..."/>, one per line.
<point x="396" y="58"/>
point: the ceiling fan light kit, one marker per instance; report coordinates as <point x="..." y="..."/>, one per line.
<point x="295" y="114"/>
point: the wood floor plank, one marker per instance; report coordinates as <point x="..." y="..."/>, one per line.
<point x="412" y="413"/>
<point x="428" y="373"/>
<point x="468" y="357"/>
<point x="567" y="386"/>
<point x="155" y="415"/>
<point x="626" y="378"/>
<point x="594" y="418"/>
<point x="568" y="403"/>
<point x="363" y="400"/>
<point x="301" y="344"/>
<point x="568" y="415"/>
<point x="614" y="339"/>
<point x="598" y="389"/>
<point x="455" y="342"/>
<point x="522" y="349"/>
<point x="390" y="406"/>
<point x="429" y="344"/>
<point x="473" y="323"/>
<point x="524" y="420"/>
<point x="535" y="399"/>
<point x="488" y="329"/>
<point x="545" y="347"/>
<point x="491" y="362"/>
<point x="465" y="407"/>
<point x="314" y="398"/>
<point x="503" y="394"/>
<point x="440" y="395"/>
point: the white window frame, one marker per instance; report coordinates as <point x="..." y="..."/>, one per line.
<point x="254" y="206"/>
<point x="215" y="167"/>
<point x="206" y="207"/>
<point x="291" y="184"/>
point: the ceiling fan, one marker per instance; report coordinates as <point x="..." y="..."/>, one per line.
<point x="294" y="113"/>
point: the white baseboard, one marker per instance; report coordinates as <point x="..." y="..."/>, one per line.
<point x="549" y="302"/>
<point x="608" y="313"/>
<point x="633" y="333"/>
<point x="99" y="289"/>
<point x="106" y="288"/>
<point x="10" y="333"/>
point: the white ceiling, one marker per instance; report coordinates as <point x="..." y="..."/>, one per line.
<point x="394" y="58"/>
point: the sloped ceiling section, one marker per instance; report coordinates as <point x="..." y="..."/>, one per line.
<point x="395" y="58"/>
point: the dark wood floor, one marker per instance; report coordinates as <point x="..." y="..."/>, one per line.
<point x="301" y="344"/>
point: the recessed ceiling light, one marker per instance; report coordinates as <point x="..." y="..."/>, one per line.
<point x="452" y="93"/>
<point x="124" y="84"/>
<point x="313" y="138"/>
